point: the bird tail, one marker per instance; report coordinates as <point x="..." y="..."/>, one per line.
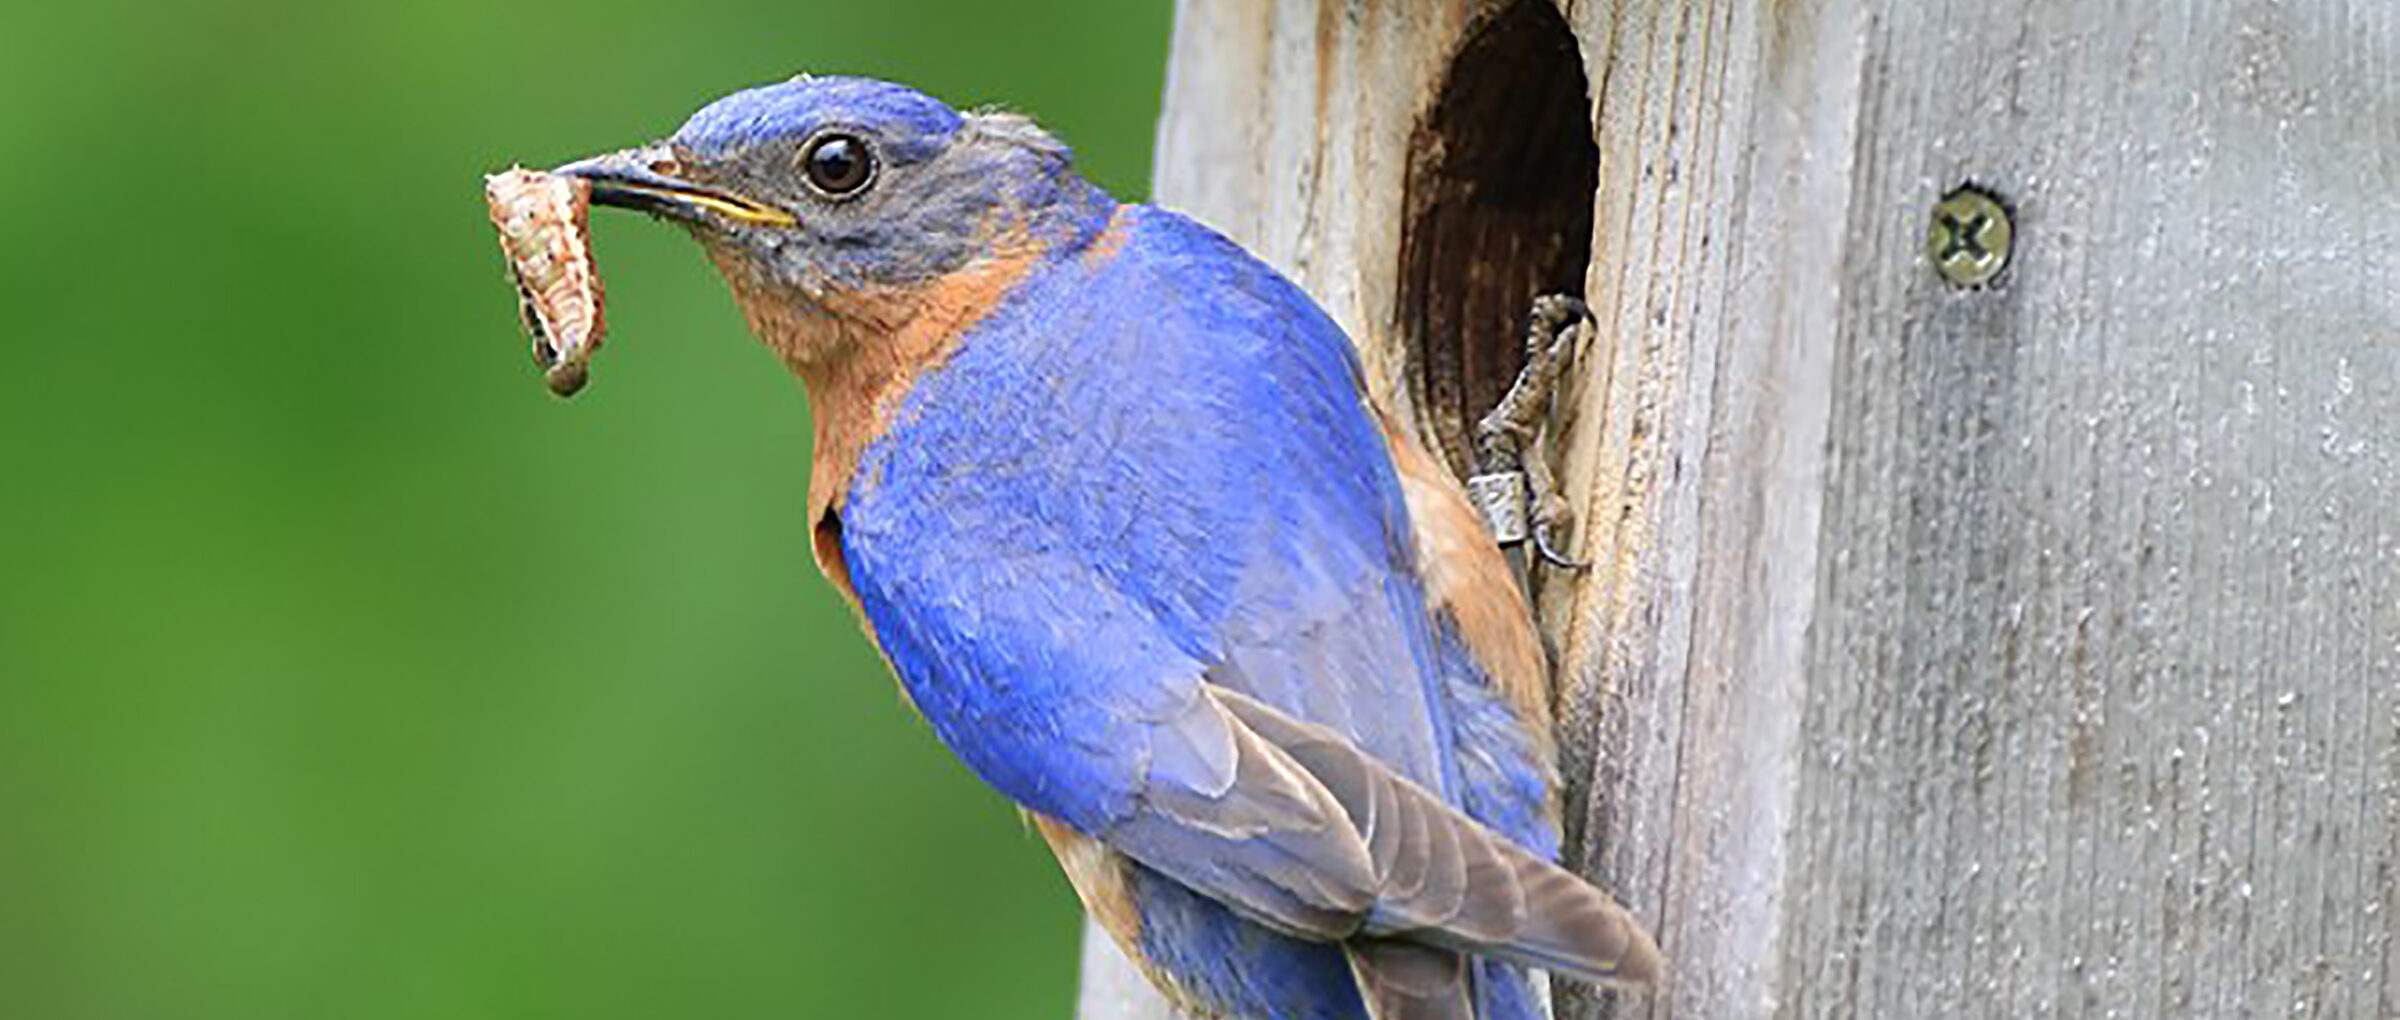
<point x="1400" y="980"/>
<point x="1409" y="981"/>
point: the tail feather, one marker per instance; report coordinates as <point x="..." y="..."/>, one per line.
<point x="1406" y="981"/>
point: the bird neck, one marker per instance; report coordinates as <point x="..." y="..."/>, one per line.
<point x="859" y="358"/>
<point x="859" y="352"/>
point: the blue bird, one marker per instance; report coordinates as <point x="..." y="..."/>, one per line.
<point x="1112" y="498"/>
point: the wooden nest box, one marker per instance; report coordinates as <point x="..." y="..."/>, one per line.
<point x="1988" y="449"/>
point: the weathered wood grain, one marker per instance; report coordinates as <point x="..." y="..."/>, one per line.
<point x="2028" y="651"/>
<point x="2103" y="701"/>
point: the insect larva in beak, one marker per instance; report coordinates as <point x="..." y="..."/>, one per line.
<point x="545" y="230"/>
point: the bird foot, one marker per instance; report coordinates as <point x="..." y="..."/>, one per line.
<point x="1512" y="487"/>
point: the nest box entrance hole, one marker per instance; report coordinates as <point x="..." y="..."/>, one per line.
<point x="1502" y="173"/>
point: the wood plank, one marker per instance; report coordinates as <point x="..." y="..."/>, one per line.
<point x="1697" y="449"/>
<point x="2025" y="651"/>
<point x="2101" y="701"/>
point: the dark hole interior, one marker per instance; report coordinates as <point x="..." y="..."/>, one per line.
<point x="1500" y="182"/>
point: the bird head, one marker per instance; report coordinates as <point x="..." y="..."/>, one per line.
<point x="828" y="203"/>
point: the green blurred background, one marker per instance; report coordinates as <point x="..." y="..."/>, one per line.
<point x="344" y="672"/>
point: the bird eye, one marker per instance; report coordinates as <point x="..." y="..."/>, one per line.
<point x="837" y="165"/>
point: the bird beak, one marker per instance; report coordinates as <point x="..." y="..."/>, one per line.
<point x="649" y="179"/>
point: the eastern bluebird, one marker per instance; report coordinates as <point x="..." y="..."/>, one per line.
<point x="1111" y="496"/>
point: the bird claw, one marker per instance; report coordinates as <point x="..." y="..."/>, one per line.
<point x="1547" y="522"/>
<point x="1550" y="555"/>
<point x="1510" y="473"/>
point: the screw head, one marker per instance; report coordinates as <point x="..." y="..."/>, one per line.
<point x="1969" y="236"/>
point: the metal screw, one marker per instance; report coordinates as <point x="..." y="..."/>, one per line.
<point x="1969" y="237"/>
